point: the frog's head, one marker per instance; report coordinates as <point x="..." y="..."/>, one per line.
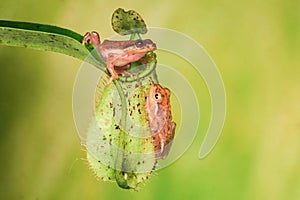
<point x="140" y="46"/>
<point x="159" y="95"/>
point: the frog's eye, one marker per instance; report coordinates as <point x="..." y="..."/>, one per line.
<point x="139" y="43"/>
<point x="157" y="96"/>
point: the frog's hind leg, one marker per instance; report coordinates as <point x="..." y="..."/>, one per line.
<point x="169" y="142"/>
<point x="123" y="70"/>
<point x="162" y="143"/>
<point x="91" y="38"/>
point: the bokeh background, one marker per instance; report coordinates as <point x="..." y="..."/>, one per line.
<point x="256" y="46"/>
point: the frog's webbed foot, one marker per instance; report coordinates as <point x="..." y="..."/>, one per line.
<point x="91" y="38"/>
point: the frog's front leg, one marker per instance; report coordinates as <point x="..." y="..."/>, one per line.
<point x="91" y="38"/>
<point x="110" y="65"/>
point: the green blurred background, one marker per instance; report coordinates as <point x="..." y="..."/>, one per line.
<point x="256" y="47"/>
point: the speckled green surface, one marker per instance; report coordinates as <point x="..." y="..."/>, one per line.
<point x="121" y="153"/>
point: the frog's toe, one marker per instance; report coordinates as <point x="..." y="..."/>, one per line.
<point x="91" y="38"/>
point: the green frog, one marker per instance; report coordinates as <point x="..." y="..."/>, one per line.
<point x="119" y="54"/>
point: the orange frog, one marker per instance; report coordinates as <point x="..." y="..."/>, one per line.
<point x="119" y="54"/>
<point x="158" y="109"/>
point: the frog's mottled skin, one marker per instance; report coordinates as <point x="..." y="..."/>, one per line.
<point x="160" y="119"/>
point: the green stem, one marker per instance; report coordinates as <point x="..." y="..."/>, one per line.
<point x="135" y="36"/>
<point x="47" y="38"/>
<point x="41" y="28"/>
<point x="123" y="102"/>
